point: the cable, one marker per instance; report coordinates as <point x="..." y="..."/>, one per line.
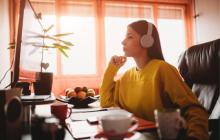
<point x="7" y="72"/>
<point x="8" y="85"/>
<point x="68" y="129"/>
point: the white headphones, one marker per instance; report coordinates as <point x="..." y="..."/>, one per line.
<point x="147" y="40"/>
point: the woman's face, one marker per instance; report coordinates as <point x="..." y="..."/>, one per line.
<point x="131" y="43"/>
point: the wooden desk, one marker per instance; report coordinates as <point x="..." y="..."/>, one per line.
<point x="82" y="129"/>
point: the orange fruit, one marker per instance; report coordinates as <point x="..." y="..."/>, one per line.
<point x="81" y="95"/>
<point x="71" y="93"/>
<point x="90" y="92"/>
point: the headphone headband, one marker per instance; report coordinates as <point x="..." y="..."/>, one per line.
<point x="150" y="29"/>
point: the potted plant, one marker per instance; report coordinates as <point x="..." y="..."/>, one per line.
<point x="43" y="84"/>
<point x="45" y="79"/>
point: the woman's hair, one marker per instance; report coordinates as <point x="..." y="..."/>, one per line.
<point x="141" y="27"/>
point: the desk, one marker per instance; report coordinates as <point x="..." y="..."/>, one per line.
<point x="29" y="109"/>
<point x="44" y="110"/>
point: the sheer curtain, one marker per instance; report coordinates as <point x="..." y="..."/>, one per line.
<point x="99" y="26"/>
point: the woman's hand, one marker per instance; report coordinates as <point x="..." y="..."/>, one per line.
<point x="118" y="61"/>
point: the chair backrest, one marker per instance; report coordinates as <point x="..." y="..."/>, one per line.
<point x="199" y="66"/>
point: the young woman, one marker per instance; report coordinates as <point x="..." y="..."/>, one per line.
<point x="152" y="83"/>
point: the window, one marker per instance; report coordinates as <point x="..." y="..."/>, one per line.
<point x="99" y="28"/>
<point x="171" y="27"/>
<point x="82" y="57"/>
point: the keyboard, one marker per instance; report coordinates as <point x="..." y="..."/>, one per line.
<point x="34" y="97"/>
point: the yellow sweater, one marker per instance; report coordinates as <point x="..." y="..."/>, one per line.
<point x="140" y="92"/>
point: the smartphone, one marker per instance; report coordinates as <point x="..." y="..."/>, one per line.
<point x="92" y="120"/>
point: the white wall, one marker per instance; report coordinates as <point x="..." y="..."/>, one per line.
<point x="4" y="40"/>
<point x="207" y="24"/>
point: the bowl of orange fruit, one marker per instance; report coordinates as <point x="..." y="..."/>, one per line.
<point x="80" y="97"/>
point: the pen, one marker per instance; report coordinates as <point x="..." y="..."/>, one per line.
<point x="104" y="109"/>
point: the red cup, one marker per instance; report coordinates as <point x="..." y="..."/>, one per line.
<point x="61" y="111"/>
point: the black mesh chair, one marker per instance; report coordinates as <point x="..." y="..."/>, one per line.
<point x="199" y="66"/>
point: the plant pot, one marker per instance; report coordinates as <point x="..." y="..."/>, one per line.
<point x="43" y="84"/>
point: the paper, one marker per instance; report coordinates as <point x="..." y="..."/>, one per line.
<point x="95" y="112"/>
<point x="81" y="129"/>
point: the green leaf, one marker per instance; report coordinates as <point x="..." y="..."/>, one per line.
<point x="11" y="46"/>
<point x="67" y="43"/>
<point x="60" y="40"/>
<point x="52" y="38"/>
<point x="47" y="46"/>
<point x="63" y="52"/>
<point x="57" y="45"/>
<point x="60" y="35"/>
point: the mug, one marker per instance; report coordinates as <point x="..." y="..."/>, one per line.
<point x="168" y="122"/>
<point x="61" y="111"/>
<point x="118" y="124"/>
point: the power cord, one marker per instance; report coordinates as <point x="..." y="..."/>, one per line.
<point x="65" y="125"/>
<point x="6" y="73"/>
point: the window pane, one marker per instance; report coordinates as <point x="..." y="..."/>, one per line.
<point x="82" y="57"/>
<point x="172" y="34"/>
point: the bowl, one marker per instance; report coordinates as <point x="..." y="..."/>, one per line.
<point x="78" y="103"/>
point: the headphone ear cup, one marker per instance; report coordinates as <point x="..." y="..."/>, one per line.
<point x="147" y="41"/>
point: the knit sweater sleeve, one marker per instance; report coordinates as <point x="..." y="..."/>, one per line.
<point x="181" y="95"/>
<point x="108" y="90"/>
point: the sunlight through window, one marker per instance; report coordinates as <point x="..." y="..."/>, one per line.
<point x="172" y="39"/>
<point x="82" y="57"/>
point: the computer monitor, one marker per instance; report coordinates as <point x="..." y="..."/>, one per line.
<point x="25" y="63"/>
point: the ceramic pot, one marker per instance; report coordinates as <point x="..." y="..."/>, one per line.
<point x="43" y="84"/>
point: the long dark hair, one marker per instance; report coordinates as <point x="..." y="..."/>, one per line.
<point x="141" y="27"/>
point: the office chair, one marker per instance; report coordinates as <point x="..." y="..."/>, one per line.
<point x="199" y="66"/>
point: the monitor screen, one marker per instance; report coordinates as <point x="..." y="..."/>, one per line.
<point x="27" y="45"/>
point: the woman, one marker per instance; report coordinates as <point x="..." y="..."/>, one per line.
<point x="152" y="84"/>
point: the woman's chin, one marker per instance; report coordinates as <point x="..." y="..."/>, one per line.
<point x="126" y="55"/>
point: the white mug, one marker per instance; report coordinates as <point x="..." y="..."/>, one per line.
<point x="118" y="124"/>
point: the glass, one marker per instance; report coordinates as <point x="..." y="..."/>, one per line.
<point x="168" y="123"/>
